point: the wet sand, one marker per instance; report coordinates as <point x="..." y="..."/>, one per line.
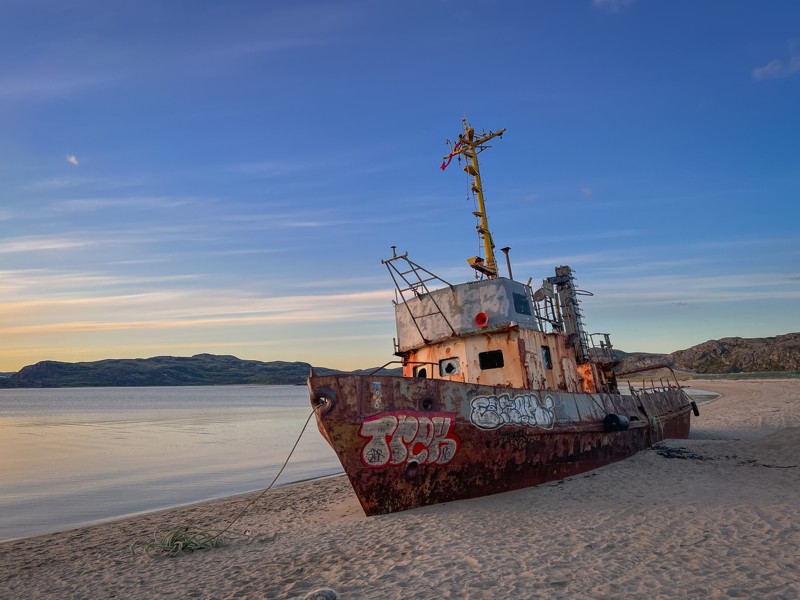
<point x="714" y="516"/>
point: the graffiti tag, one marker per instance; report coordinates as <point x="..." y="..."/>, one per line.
<point x="400" y="437"/>
<point x="491" y="412"/>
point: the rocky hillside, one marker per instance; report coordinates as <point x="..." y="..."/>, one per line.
<point x="202" y="369"/>
<point x="740" y="355"/>
<point x="727" y="355"/>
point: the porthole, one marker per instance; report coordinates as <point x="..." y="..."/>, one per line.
<point x="449" y="366"/>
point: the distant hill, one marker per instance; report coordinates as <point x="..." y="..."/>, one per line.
<point x="202" y="369"/>
<point x="726" y="355"/>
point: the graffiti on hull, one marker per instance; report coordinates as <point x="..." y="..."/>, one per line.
<point x="491" y="412"/>
<point x="395" y="438"/>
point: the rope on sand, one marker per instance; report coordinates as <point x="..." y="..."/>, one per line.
<point x="173" y="541"/>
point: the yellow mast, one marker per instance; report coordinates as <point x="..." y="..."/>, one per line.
<point x="470" y="145"/>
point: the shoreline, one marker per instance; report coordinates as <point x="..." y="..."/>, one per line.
<point x="710" y="516"/>
<point x="168" y="509"/>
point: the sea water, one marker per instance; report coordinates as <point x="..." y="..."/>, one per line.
<point x="74" y="456"/>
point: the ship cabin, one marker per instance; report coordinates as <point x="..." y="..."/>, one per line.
<point x="495" y="331"/>
<point x="498" y="332"/>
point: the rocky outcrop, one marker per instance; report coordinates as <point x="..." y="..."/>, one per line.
<point x="742" y="355"/>
<point x="726" y="355"/>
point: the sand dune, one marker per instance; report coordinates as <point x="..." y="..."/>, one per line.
<point x="709" y="517"/>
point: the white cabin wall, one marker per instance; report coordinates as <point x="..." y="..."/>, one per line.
<point x="440" y="314"/>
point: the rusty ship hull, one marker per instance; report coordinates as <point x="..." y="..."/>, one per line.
<point x="406" y="442"/>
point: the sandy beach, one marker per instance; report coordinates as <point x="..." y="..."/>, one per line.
<point x="714" y="516"/>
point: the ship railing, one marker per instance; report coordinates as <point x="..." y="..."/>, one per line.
<point x="650" y="386"/>
<point x="662" y="387"/>
<point x="653" y="386"/>
<point x="602" y="350"/>
<point x="404" y="363"/>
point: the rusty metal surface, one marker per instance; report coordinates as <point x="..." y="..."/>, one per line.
<point x="407" y="442"/>
<point x="524" y="367"/>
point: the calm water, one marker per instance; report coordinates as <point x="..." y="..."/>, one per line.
<point x="70" y="457"/>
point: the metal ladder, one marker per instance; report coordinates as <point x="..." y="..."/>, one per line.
<point x="413" y="278"/>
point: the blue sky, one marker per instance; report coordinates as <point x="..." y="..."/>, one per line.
<point x="225" y="177"/>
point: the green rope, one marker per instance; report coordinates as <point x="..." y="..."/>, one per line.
<point x="173" y="541"/>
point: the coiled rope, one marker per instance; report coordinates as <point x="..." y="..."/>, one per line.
<point x="171" y="541"/>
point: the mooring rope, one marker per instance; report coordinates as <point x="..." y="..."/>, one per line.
<point x="174" y="540"/>
<point x="171" y="541"/>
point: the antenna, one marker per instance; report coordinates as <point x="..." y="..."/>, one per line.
<point x="470" y="145"/>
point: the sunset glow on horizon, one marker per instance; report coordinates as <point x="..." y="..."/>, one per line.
<point x="189" y="178"/>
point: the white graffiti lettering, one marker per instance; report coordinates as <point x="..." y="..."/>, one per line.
<point x="400" y="437"/>
<point x="491" y="412"/>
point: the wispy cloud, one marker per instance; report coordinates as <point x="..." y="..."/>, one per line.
<point x="140" y="202"/>
<point x="32" y="286"/>
<point x="55" y="183"/>
<point x="38" y="244"/>
<point x="34" y="85"/>
<point x="612" y="5"/>
<point x="72" y="159"/>
<point x="696" y="289"/>
<point x="232" y="51"/>
<point x="276" y="30"/>
<point x="273" y="168"/>
<point x="69" y="66"/>
<point x="79" y="181"/>
<point x="58" y="209"/>
<point x="310" y="163"/>
<point x="181" y="309"/>
<point x="611" y="234"/>
<point x="602" y="257"/>
<point x="778" y="68"/>
<point x="303" y="219"/>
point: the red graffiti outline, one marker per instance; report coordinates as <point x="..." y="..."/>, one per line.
<point x="434" y="433"/>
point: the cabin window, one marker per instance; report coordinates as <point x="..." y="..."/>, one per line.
<point x="521" y="304"/>
<point x="420" y="371"/>
<point x="449" y="366"/>
<point x="547" y="360"/>
<point x="491" y="360"/>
